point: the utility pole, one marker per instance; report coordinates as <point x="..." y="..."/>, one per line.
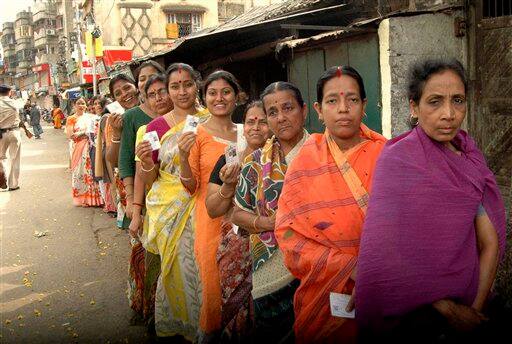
<point x="94" y="81"/>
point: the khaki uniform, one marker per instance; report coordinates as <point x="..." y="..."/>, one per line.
<point x="11" y="140"/>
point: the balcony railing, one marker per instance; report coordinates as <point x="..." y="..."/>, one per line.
<point x="40" y="16"/>
<point x="24" y="64"/>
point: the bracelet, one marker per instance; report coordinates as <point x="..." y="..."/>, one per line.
<point x="254" y="223"/>
<point x="114" y="141"/>
<point x="222" y="196"/>
<point x="140" y="205"/>
<point x="142" y="168"/>
<point x="185" y="179"/>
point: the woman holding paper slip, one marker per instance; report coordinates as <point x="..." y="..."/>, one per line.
<point x="80" y="129"/>
<point x="198" y="155"/>
<point x="323" y="204"/>
<point x="170" y="228"/>
<point x="233" y="255"/>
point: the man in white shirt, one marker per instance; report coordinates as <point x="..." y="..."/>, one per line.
<point x="10" y="140"/>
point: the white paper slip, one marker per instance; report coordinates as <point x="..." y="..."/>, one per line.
<point x="231" y="155"/>
<point x="191" y="123"/>
<point x="153" y="139"/>
<point x="339" y="304"/>
<point x="115" y="107"/>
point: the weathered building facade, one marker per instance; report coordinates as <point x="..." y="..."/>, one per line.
<point x="146" y="26"/>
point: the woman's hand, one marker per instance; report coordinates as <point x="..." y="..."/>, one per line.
<point x="267" y="223"/>
<point x="229" y="174"/>
<point x="145" y="154"/>
<point x="136" y="225"/>
<point x="460" y="317"/>
<point x="116" y="122"/>
<point x="128" y="211"/>
<point x="185" y="143"/>
<point x="78" y="135"/>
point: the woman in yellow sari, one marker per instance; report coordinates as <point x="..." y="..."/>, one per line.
<point x="169" y="228"/>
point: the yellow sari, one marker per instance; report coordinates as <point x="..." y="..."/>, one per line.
<point x="169" y="231"/>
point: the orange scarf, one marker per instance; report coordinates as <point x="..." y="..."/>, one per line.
<point x="320" y="217"/>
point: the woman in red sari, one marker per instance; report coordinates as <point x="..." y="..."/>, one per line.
<point x="323" y="205"/>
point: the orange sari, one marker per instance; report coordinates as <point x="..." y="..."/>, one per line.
<point x="85" y="189"/>
<point x="319" y="221"/>
<point x="203" y="157"/>
<point x="57" y="116"/>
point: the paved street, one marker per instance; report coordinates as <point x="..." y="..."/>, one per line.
<point x="69" y="285"/>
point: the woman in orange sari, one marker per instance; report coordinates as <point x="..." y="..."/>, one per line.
<point x="198" y="155"/>
<point x="57" y="116"/>
<point x="323" y="205"/>
<point x="80" y="129"/>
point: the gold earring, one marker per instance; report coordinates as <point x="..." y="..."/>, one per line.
<point x="413" y="121"/>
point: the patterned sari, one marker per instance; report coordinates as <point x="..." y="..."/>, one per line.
<point x="265" y="170"/>
<point x="258" y="192"/>
<point x="85" y="189"/>
<point x="318" y="227"/>
<point x="170" y="232"/>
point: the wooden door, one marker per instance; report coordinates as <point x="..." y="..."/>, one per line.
<point x="362" y="53"/>
<point x="491" y="119"/>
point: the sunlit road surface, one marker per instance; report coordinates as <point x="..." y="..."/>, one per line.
<point x="68" y="285"/>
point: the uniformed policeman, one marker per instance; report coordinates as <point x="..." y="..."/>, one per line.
<point x="10" y="140"/>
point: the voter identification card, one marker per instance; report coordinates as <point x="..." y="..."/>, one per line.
<point x="191" y="123"/>
<point x="153" y="139"/>
<point x="339" y="303"/>
<point x="115" y="107"/>
<point x="231" y="155"/>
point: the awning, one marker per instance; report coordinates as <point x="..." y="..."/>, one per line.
<point x="72" y="93"/>
<point x="183" y="8"/>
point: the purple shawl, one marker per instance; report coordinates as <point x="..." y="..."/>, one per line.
<point x="419" y="241"/>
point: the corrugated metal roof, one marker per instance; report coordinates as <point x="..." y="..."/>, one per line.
<point x="326" y="36"/>
<point x="256" y="15"/>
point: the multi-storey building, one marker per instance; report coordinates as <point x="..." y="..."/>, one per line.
<point x="24" y="41"/>
<point x="46" y="43"/>
<point x="146" y="26"/>
<point x="24" y="36"/>
<point x="68" y="42"/>
<point x="9" y="47"/>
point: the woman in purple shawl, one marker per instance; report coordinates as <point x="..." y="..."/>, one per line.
<point x="435" y="227"/>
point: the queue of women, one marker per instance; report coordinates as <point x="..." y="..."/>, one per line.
<point x="340" y="236"/>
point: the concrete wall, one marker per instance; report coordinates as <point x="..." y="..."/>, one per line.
<point x="254" y="3"/>
<point x="404" y="41"/>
